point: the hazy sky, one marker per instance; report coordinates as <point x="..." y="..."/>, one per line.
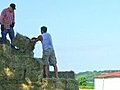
<point x="85" y="33"/>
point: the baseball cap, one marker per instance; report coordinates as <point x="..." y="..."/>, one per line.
<point x="13" y="6"/>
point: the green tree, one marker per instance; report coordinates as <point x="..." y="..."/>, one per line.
<point x="82" y="81"/>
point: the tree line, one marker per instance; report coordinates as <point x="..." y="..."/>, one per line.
<point x="86" y="79"/>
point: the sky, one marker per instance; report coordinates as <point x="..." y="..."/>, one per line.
<point x="85" y="33"/>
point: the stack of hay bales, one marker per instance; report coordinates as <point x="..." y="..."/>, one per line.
<point x="19" y="70"/>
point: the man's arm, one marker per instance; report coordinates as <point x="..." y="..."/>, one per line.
<point x="13" y="17"/>
<point x="2" y="16"/>
<point x="39" y="38"/>
<point x="1" y="20"/>
<point x="13" y="21"/>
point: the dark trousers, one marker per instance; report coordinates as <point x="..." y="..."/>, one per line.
<point x="4" y="34"/>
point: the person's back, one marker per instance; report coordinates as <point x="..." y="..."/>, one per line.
<point x="47" y="42"/>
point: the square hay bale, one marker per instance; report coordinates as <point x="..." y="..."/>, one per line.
<point x="22" y="54"/>
<point x="21" y="41"/>
<point x="60" y="84"/>
<point x="34" y="69"/>
<point x="21" y="85"/>
<point x="39" y="60"/>
<point x="18" y="68"/>
<point x="44" y="83"/>
<point x="8" y="73"/>
<point x="24" y="43"/>
<point x="63" y="74"/>
<point x="53" y="84"/>
<point x="4" y="61"/>
<point x="72" y="84"/>
<point x="17" y="62"/>
<point x="32" y="62"/>
<point x="14" y="74"/>
<point x="10" y="86"/>
<point x="33" y="74"/>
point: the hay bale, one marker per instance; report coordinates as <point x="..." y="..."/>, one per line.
<point x="72" y="84"/>
<point x="63" y="74"/>
<point x="9" y="87"/>
<point x="24" y="43"/>
<point x="18" y="68"/>
<point x="61" y="84"/>
<point x="22" y="54"/>
<point x="52" y="84"/>
<point x="48" y="84"/>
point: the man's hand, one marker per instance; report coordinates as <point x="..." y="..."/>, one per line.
<point x="2" y="28"/>
<point x="34" y="39"/>
<point x="12" y="25"/>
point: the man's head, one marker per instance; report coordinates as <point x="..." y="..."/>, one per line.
<point x="43" y="29"/>
<point x="12" y="7"/>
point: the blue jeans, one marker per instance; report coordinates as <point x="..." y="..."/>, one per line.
<point x="4" y="34"/>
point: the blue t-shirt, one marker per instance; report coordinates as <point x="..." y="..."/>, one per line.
<point x="47" y="42"/>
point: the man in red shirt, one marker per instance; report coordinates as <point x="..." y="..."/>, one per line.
<point x="7" y="21"/>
